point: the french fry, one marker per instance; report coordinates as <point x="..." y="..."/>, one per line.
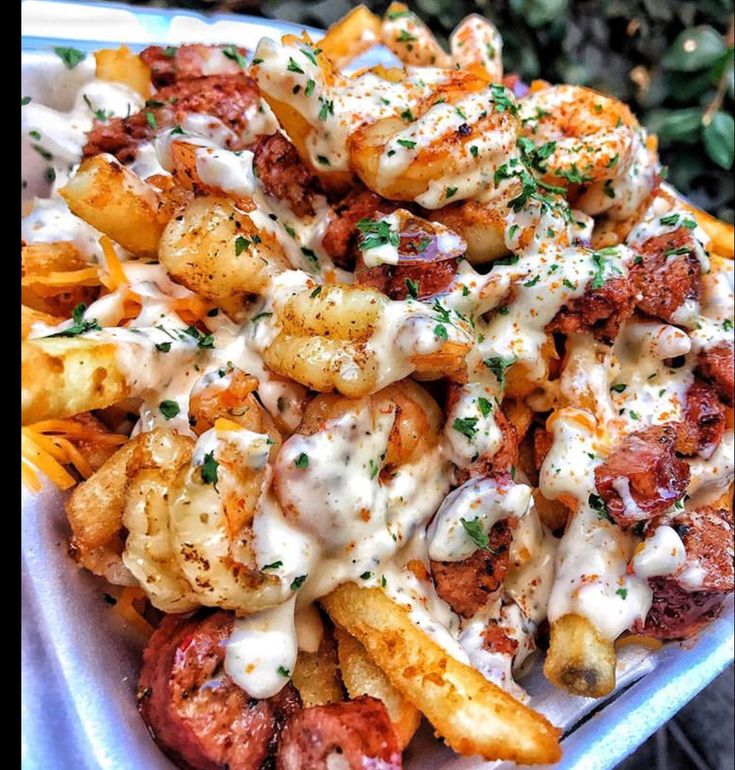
<point x="116" y="201"/>
<point x="121" y="65"/>
<point x="722" y="234"/>
<point x="55" y="278"/>
<point x="362" y="677"/>
<point x="30" y="316"/>
<point x="316" y="674"/>
<point x="579" y="660"/>
<point x="63" y="376"/>
<point x="352" y="35"/>
<point x="470" y="713"/>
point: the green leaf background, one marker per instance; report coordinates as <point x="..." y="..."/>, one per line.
<point x="671" y="60"/>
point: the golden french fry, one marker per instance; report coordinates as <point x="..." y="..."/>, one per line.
<point x="316" y="674"/>
<point x="63" y="376"/>
<point x="362" y="677"/>
<point x="30" y="316"/>
<point x="116" y="201"/>
<point x="579" y="660"/>
<point x="97" y="506"/>
<point x="410" y="39"/>
<point x="121" y="65"/>
<point x="352" y="35"/>
<point x="470" y="713"/>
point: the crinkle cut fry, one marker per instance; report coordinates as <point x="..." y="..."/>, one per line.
<point x="471" y="714"/>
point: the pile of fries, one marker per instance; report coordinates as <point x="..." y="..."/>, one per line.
<point x="209" y="351"/>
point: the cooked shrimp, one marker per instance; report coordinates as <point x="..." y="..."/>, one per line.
<point x="218" y="251"/>
<point x="354" y="340"/>
<point x="447" y="149"/>
<point x="229" y="393"/>
<point x="593" y="134"/>
<point x="97" y="507"/>
<point x="359" y="474"/>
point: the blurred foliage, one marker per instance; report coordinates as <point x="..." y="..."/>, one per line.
<point x="671" y="60"/>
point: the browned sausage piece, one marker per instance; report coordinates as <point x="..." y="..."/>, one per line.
<point x="358" y="735"/>
<point x="340" y="237"/>
<point x="424" y="269"/>
<point x="704" y="421"/>
<point x="495" y="639"/>
<point x="667" y="274"/>
<point x="229" y="98"/>
<point x="717" y="365"/>
<point x="195" y="712"/>
<point x="184" y="62"/>
<point x="676" y="613"/>
<point x="466" y="585"/>
<point x="646" y="463"/>
<point x="283" y="174"/>
<point x="600" y="311"/>
<point x="707" y="535"/>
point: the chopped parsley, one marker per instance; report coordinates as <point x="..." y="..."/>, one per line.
<point x="327" y="108"/>
<point x="404" y="36"/>
<point x="232" y="53"/>
<point x="533" y="281"/>
<point x="310" y="55"/>
<point x="485" y="406"/>
<point x="25" y="100"/>
<point x="503" y="100"/>
<point x="467" y="426"/>
<point x="622" y="593"/>
<point x="407" y="143"/>
<point x="450" y="192"/>
<point x="619" y="388"/>
<point x="598" y="506"/>
<point x="273" y="565"/>
<point x="474" y="151"/>
<point x="302" y="461"/>
<point x="573" y="175"/>
<point x="316" y="292"/>
<point x="209" y="469"/>
<point x="310" y="85"/>
<point x="150" y="119"/>
<point x="376" y="233"/>
<point x="259" y="317"/>
<point x="727" y="324"/>
<point x="70" y="56"/>
<point x="374" y="468"/>
<point x="440" y="332"/>
<point x="366" y="576"/>
<point x="293" y="67"/>
<point x="677" y="252"/>
<point x="498" y="366"/>
<point x="476" y="533"/>
<point x="670" y="220"/>
<point x="600" y="260"/>
<point x="203" y="340"/>
<point x="413" y="288"/>
<point x="283" y="671"/>
<point x="297" y="582"/>
<point x="80" y="326"/>
<point x="169" y="408"/>
<point x="407" y="115"/>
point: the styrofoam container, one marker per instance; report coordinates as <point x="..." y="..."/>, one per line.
<point x="80" y="661"/>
